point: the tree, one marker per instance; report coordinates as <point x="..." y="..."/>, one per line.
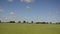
<point x="24" y="21"/>
<point x="38" y="22"/>
<point x="19" y="21"/>
<point x="58" y="22"/>
<point x="47" y="23"/>
<point x="0" y="21"/>
<point x="27" y="22"/>
<point x="50" y="22"/>
<point x="12" y="21"/>
<point x="32" y="22"/>
<point x="43" y="22"/>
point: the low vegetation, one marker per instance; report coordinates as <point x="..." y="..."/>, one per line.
<point x="16" y="28"/>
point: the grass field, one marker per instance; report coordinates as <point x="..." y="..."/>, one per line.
<point x="29" y="28"/>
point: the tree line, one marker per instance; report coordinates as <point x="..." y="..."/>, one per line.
<point x="32" y="22"/>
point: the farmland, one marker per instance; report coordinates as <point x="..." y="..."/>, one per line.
<point x="16" y="28"/>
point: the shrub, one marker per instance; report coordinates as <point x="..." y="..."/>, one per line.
<point x="12" y="21"/>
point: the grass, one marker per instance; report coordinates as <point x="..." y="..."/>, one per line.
<point x="16" y="28"/>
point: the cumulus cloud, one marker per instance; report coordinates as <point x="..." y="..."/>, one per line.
<point x="57" y="12"/>
<point x="27" y="1"/>
<point x="49" y="13"/>
<point x="12" y="13"/>
<point x="28" y="7"/>
<point x="1" y="9"/>
<point x="21" y="0"/>
<point x="10" y="0"/>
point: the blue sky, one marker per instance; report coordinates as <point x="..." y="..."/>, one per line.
<point x="30" y="10"/>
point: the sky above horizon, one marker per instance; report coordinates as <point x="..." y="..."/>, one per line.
<point x="30" y="10"/>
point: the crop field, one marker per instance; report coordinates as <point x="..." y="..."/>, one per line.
<point x="16" y="28"/>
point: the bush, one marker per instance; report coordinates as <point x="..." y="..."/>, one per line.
<point x="19" y="21"/>
<point x="50" y="22"/>
<point x="41" y="22"/>
<point x="24" y="21"/>
<point x="0" y="21"/>
<point x="12" y="21"/>
<point x="32" y="22"/>
<point x="38" y="22"/>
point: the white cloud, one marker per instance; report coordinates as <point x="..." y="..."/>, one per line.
<point x="50" y="13"/>
<point x="1" y="9"/>
<point x="28" y="7"/>
<point x="57" y="12"/>
<point x="21" y="0"/>
<point x="12" y="13"/>
<point x="10" y="0"/>
<point x="27" y="1"/>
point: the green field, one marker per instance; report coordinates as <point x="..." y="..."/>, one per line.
<point x="16" y="28"/>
